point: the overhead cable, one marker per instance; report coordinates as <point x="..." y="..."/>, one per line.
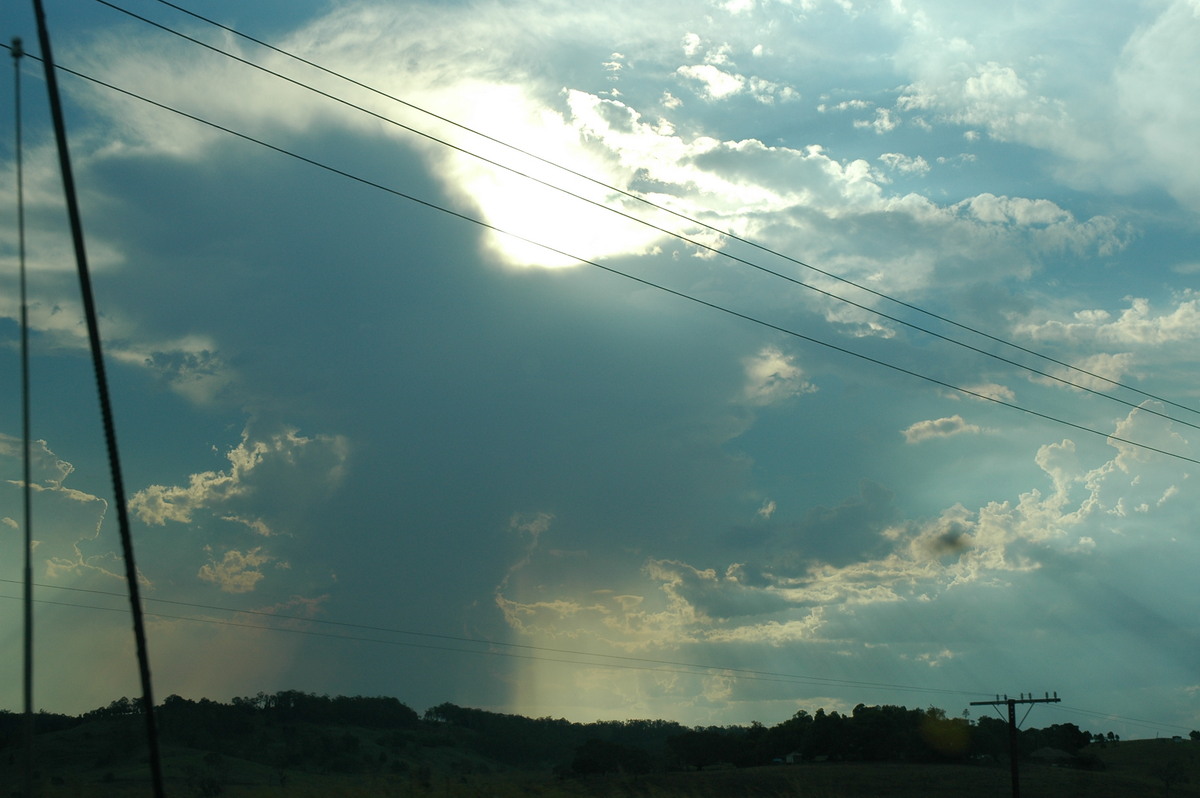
<point x="605" y="660"/>
<point x="1147" y="724"/>
<point x="978" y="394"/>
<point x="685" y="217"/>
<point x="646" y="663"/>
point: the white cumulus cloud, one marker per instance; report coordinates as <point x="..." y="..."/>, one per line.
<point x="773" y="377"/>
<point x="714" y="84"/>
<point x="939" y="428"/>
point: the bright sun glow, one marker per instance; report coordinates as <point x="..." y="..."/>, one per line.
<point x="559" y="228"/>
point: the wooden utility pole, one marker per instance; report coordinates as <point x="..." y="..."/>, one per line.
<point x="1013" y="748"/>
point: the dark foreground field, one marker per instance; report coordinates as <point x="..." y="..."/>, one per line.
<point x="1134" y="768"/>
<point x="296" y="744"/>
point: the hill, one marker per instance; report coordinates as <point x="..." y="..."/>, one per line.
<point x="296" y="744"/>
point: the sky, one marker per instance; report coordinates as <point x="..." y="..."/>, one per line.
<point x="758" y="356"/>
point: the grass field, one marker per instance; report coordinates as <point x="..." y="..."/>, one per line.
<point x="82" y="767"/>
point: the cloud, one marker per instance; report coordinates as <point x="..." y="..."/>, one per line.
<point x="1049" y="227"/>
<point x="917" y="562"/>
<point x="717" y="83"/>
<point x="1019" y="211"/>
<point x="1151" y="431"/>
<point x="845" y="105"/>
<point x="302" y="464"/>
<point x="905" y="164"/>
<point x="714" y="83"/>
<point x="531" y="526"/>
<point x="530" y="374"/>
<point x="158" y="504"/>
<point x="804" y="199"/>
<point x="939" y="428"/>
<point x="994" y="96"/>
<point x="511" y="202"/>
<point x="949" y="537"/>
<point x="1137" y="324"/>
<point x="1154" y="91"/>
<point x="771" y="633"/>
<point x="935" y="659"/>
<point x="773" y="377"/>
<point x="69" y="532"/>
<point x="236" y="571"/>
<point x="884" y="122"/>
<point x="990" y="390"/>
<point x="769" y="91"/>
<point x="738" y="6"/>
<point x="191" y="366"/>
<point x="1097" y="372"/>
<point x="1111" y="104"/>
<point x="913" y="587"/>
<point x="709" y="596"/>
<point x="550" y="620"/>
<point x="832" y="200"/>
<point x="45" y="468"/>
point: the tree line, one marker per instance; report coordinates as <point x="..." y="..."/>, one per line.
<point x="294" y="729"/>
<point x="868" y="734"/>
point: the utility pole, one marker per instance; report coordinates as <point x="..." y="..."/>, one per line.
<point x="1013" y="749"/>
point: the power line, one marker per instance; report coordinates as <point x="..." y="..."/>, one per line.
<point x="620" y="661"/>
<point x="641" y="280"/>
<point x="637" y="197"/>
<point x="1146" y="724"/>
<point x="607" y="660"/>
<point x="682" y="237"/>
<point x="745" y="673"/>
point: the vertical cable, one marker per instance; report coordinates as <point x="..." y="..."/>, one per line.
<point x="17" y="52"/>
<point x="110" y="434"/>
